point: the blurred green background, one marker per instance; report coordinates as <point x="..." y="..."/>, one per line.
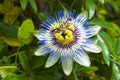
<point x="20" y="19"/>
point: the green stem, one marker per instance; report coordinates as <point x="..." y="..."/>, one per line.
<point x="12" y="55"/>
<point x="17" y="55"/>
<point x="61" y="4"/>
<point x="9" y="56"/>
<point x="72" y="4"/>
<point x="74" y="74"/>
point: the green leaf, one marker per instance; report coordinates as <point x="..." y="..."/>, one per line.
<point x="7" y="5"/>
<point x="44" y="77"/>
<point x="105" y="51"/>
<point x="101" y="13"/>
<point x="104" y="24"/>
<point x="22" y="77"/>
<point x="2" y="9"/>
<point x="12" y="42"/>
<point x="91" y="7"/>
<point x="7" y="30"/>
<point x="26" y="31"/>
<point x="118" y="45"/>
<point x="110" y="43"/>
<point x="23" y="4"/>
<point x="34" y="77"/>
<point x="8" y="77"/>
<point x="24" y="62"/>
<point x="42" y="16"/>
<point x="11" y="15"/>
<point x="101" y="23"/>
<point x="81" y="69"/>
<point x="114" y="4"/>
<point x="108" y="40"/>
<point x="1" y="44"/>
<point x="37" y="62"/>
<point x="33" y="5"/>
<point x="6" y="59"/>
<point x="116" y="72"/>
<point x="6" y="70"/>
<point x="116" y="28"/>
<point x="102" y="1"/>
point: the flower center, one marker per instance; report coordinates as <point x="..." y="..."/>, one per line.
<point x="64" y="33"/>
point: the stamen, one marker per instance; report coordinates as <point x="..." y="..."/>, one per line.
<point x="64" y="25"/>
<point x="64" y="32"/>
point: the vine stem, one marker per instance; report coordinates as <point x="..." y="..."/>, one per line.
<point x="74" y="74"/>
<point x="61" y="4"/>
<point x="73" y="4"/>
<point x="38" y="2"/>
<point x="17" y="55"/>
<point x="14" y="54"/>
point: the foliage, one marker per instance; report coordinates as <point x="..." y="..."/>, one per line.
<point x="20" y="19"/>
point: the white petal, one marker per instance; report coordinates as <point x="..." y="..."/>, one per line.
<point x="82" y="58"/>
<point x="91" y="13"/>
<point x="81" y="18"/>
<point x="39" y="36"/>
<point x="93" y="30"/>
<point x="67" y="65"/>
<point x="42" y="34"/>
<point x="41" y="51"/>
<point x="52" y="59"/>
<point x="92" y="48"/>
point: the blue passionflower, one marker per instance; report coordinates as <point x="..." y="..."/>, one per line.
<point x="67" y="38"/>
